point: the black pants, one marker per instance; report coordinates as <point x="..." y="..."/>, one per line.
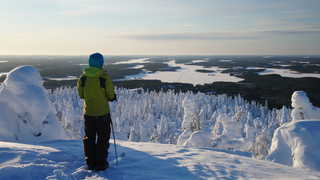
<point x="96" y="140"/>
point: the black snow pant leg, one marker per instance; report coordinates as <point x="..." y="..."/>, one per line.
<point x="89" y="140"/>
<point x="102" y="146"/>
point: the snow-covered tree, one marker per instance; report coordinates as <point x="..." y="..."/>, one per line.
<point x="303" y="109"/>
<point x="26" y="114"/>
<point x="169" y="117"/>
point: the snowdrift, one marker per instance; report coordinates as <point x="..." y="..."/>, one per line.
<point x="26" y="114"/>
<point x="295" y="143"/>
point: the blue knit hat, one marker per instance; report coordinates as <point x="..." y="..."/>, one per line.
<point x="96" y="60"/>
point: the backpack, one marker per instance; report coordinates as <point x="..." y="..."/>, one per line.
<point x="101" y="80"/>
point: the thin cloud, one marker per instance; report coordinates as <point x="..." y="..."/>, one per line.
<point x="297" y="32"/>
<point x="90" y="10"/>
<point x="220" y="36"/>
<point x="192" y="36"/>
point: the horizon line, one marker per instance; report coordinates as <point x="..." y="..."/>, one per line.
<point x="162" y="54"/>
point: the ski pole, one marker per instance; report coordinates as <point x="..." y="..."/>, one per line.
<point x="114" y="142"/>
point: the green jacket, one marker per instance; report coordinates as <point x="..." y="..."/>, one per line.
<point x="95" y="97"/>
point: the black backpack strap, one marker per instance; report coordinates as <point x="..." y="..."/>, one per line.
<point x="83" y="81"/>
<point x="102" y="82"/>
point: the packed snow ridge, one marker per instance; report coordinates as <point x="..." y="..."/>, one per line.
<point x="30" y="114"/>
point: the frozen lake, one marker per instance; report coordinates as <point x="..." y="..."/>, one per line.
<point x="138" y="67"/>
<point x="69" y="78"/>
<point x="133" y="61"/>
<point x="288" y="73"/>
<point x="188" y="74"/>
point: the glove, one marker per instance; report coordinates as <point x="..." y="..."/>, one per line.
<point x="114" y="99"/>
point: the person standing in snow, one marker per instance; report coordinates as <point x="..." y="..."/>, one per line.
<point x="96" y="88"/>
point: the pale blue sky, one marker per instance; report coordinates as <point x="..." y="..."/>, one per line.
<point x="160" y="26"/>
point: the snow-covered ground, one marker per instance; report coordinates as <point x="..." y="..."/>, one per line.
<point x="288" y="73"/>
<point x="188" y="74"/>
<point x="64" y="160"/>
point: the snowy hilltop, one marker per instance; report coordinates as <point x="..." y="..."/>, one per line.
<point x="295" y="143"/>
<point x="183" y="135"/>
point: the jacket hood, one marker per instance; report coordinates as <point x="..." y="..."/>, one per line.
<point x="93" y="72"/>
